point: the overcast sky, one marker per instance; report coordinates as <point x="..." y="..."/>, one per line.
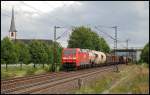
<point x="36" y="19"/>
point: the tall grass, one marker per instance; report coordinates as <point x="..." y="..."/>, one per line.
<point x="135" y="81"/>
<point x="15" y="71"/>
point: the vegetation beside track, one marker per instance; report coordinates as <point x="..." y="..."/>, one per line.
<point x="15" y="71"/>
<point x="32" y="52"/>
<point x="131" y="79"/>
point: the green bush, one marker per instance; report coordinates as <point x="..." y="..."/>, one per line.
<point x="30" y="71"/>
<point x="145" y="54"/>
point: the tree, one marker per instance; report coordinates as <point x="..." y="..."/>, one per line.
<point x="145" y="53"/>
<point x="81" y="38"/>
<point x="49" y="52"/>
<point x="104" y="45"/>
<point x="38" y="53"/>
<point x="8" y="52"/>
<point x="2" y="53"/>
<point x="23" y="53"/>
<point x="85" y="38"/>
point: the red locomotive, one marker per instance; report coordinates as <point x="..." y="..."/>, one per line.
<point x="81" y="58"/>
<point x="74" y="57"/>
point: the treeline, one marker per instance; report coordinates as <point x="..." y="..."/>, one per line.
<point x="145" y="54"/>
<point x="35" y="52"/>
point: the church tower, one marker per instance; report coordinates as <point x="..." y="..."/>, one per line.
<point x="12" y="30"/>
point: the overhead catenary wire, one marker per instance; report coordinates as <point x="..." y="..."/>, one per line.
<point x="27" y="20"/>
<point x="22" y="19"/>
<point x="39" y="12"/>
<point x="108" y="34"/>
<point x="42" y="12"/>
<point x="96" y="27"/>
<point x="63" y="34"/>
<point x="114" y="39"/>
<point x="105" y="33"/>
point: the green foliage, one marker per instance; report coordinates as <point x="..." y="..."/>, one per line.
<point x="9" y="53"/>
<point x="51" y="54"/>
<point x="23" y="52"/>
<point x="15" y="71"/>
<point x="145" y="54"/>
<point x="58" y="54"/>
<point x="85" y="38"/>
<point x="104" y="46"/>
<point x="38" y="53"/>
<point x="6" y="75"/>
<point x="136" y="83"/>
<point x="35" y="51"/>
<point x="30" y="71"/>
<point x="49" y="50"/>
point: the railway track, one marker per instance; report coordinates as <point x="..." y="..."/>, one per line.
<point x="35" y="84"/>
<point x="22" y="82"/>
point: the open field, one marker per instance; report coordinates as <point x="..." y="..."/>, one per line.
<point x="131" y="79"/>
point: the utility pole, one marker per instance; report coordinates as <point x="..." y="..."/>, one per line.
<point x="127" y="42"/>
<point x="115" y="40"/>
<point x="54" y="50"/>
<point x="54" y="58"/>
<point x="116" y="37"/>
<point x="115" y="45"/>
<point x="54" y="43"/>
<point x="127" y="49"/>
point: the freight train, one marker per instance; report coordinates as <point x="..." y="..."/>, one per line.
<point x="76" y="58"/>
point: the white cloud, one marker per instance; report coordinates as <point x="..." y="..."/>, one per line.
<point x="31" y="6"/>
<point x="141" y="8"/>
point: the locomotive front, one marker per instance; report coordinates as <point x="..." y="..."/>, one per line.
<point x="69" y="57"/>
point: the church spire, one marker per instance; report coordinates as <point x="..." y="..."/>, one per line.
<point x="12" y="30"/>
<point x="12" y="26"/>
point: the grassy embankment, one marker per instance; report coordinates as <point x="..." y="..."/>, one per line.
<point x="131" y="79"/>
<point x="15" y="71"/>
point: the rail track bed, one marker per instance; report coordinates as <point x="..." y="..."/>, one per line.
<point x="57" y="82"/>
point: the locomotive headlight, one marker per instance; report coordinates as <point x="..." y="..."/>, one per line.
<point x="64" y="58"/>
<point x="69" y="58"/>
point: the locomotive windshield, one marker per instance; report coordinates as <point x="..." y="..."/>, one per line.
<point x="70" y="51"/>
